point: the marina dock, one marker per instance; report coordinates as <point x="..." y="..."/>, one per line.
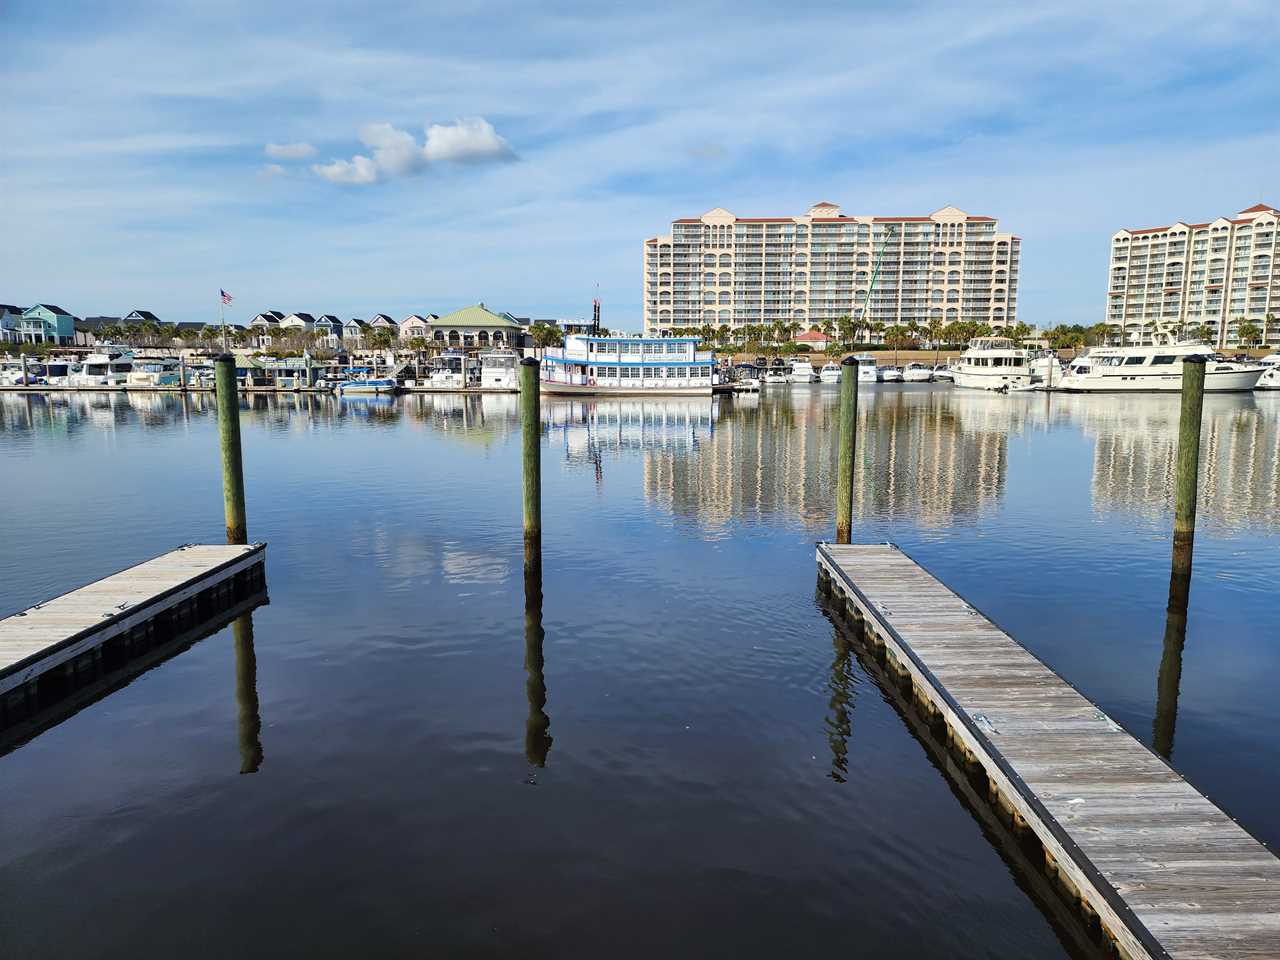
<point x="157" y="598"/>
<point x="1148" y="859"/>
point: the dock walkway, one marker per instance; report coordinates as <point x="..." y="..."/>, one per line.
<point x="1165" y="872"/>
<point x="182" y="585"/>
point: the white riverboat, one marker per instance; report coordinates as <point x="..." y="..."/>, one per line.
<point x="148" y="372"/>
<point x="663" y="366"/>
<point x="830" y="373"/>
<point x="801" y="372"/>
<point x="500" y="370"/>
<point x="108" y="366"/>
<point x="866" y="368"/>
<point x="1155" y="369"/>
<point x="917" y="373"/>
<point x="993" y="363"/>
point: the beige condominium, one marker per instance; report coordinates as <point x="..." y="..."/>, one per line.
<point x="1185" y="276"/>
<point x="723" y="269"/>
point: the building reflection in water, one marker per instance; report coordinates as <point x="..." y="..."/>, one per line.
<point x="249" y="718"/>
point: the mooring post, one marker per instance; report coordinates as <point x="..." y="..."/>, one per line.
<point x="848" y="442"/>
<point x="228" y="400"/>
<point x="531" y="445"/>
<point x="182" y="372"/>
<point x="25" y="382"/>
<point x="1184" y="518"/>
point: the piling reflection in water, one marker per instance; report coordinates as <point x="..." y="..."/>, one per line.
<point x="838" y="723"/>
<point x="1169" y="680"/>
<point x="537" y="726"/>
<point x="250" y="722"/>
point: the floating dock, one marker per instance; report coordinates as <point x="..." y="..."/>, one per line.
<point x="1149" y="860"/>
<point x="67" y="634"/>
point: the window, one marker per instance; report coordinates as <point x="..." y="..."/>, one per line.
<point x="1134" y="361"/>
<point x="1162" y="361"/>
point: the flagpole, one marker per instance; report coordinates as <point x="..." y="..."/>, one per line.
<point x="222" y="319"/>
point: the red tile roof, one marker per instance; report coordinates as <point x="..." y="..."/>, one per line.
<point x="985" y="219"/>
<point x="1260" y="208"/>
<point x="902" y="219"/>
<point x="809" y="335"/>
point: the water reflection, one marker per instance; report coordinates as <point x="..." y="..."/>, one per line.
<point x="537" y="726"/>
<point x="250" y="722"/>
<point x="1169" y="679"/>
<point x="839" y="725"/>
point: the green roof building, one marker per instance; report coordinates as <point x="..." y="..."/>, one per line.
<point x="476" y="326"/>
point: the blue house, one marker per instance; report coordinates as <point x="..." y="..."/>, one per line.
<point x="10" y="316"/>
<point x="46" y="323"/>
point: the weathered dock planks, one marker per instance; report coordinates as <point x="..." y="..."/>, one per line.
<point x="1164" y="871"/>
<point x="176" y="588"/>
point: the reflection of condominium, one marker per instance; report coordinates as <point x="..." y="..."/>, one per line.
<point x="917" y="460"/>
<point x="724" y="269"/>
<point x="1135" y="465"/>
<point x="1218" y="274"/>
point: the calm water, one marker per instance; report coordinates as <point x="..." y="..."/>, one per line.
<point x="719" y="779"/>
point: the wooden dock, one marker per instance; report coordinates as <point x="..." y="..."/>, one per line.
<point x="1148" y="859"/>
<point x="170" y="593"/>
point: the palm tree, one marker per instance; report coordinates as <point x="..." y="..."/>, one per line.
<point x="934" y="329"/>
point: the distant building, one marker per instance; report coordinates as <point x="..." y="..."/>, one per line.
<point x="328" y="330"/>
<point x="140" y="316"/>
<point x="298" y="321"/>
<point x="353" y="332"/>
<point x="46" y="323"/>
<point x="89" y="330"/>
<point x="1218" y="274"/>
<point x="380" y="321"/>
<point x="416" y="326"/>
<point x="9" y="317"/>
<point x="728" y="270"/>
<point x="264" y="326"/>
<point x="476" y="326"/>
<point x="812" y="339"/>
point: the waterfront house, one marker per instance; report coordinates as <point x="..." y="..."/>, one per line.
<point x="812" y="339"/>
<point x="416" y="326"/>
<point x="9" y="317"/>
<point x="381" y="321"/>
<point x="298" y="321"/>
<point x="141" y="316"/>
<point x="328" y="330"/>
<point x="46" y="323"/>
<point x="185" y="331"/>
<point x="353" y="332"/>
<point x="477" y="327"/>
<point x="264" y="325"/>
<point x="89" y="330"/>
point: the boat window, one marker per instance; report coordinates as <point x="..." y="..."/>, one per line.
<point x="1112" y="361"/>
<point x="1163" y="361"/>
<point x="1134" y="361"/>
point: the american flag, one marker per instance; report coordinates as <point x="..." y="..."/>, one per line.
<point x="226" y="297"/>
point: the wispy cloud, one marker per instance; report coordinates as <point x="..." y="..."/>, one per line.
<point x="396" y="153"/>
<point x="289" y="151"/>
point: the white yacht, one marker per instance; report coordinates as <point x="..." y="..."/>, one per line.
<point x="499" y="370"/>
<point x="942" y="373"/>
<point x="917" y="373"/>
<point x="777" y="373"/>
<point x="889" y="375"/>
<point x="58" y="373"/>
<point x="1270" y="379"/>
<point x="866" y="368"/>
<point x="1157" y="368"/>
<point x="108" y="366"/>
<point x="993" y="363"/>
<point x="148" y="372"/>
<point x="830" y="373"/>
<point x="802" y="372"/>
<point x="451" y="370"/>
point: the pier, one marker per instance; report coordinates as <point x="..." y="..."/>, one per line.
<point x="1151" y="863"/>
<point x="168" y="594"/>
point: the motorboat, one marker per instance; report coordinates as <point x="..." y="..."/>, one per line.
<point x="942" y="374"/>
<point x="108" y="366"/>
<point x="500" y="370"/>
<point x="866" y="368"/>
<point x="993" y="363"/>
<point x="148" y="372"/>
<point x="11" y="373"/>
<point x="830" y="373"/>
<point x="889" y="375"/>
<point x="1270" y="379"/>
<point x="778" y="373"/>
<point x="367" y="385"/>
<point x="917" y="373"/>
<point x="450" y="371"/>
<point x="1156" y="369"/>
<point x="801" y="372"/>
<point x="58" y="373"/>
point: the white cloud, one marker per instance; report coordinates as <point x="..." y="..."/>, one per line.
<point x="397" y="153"/>
<point x="289" y="151"/>
<point x="357" y="171"/>
<point x="469" y="140"/>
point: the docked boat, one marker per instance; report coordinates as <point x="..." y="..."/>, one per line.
<point x="109" y="366"/>
<point x="166" y="372"/>
<point x="367" y="386"/>
<point x="452" y="370"/>
<point x="830" y="373"/>
<point x="889" y="375"/>
<point x="917" y="373"/>
<point x="11" y="373"/>
<point x="664" y="366"/>
<point x="993" y="363"/>
<point x="1270" y="379"/>
<point x="866" y="368"/>
<point x="778" y="373"/>
<point x="1155" y="369"/>
<point x="942" y="374"/>
<point x="58" y="373"/>
<point x="801" y="372"/>
<point x="499" y="370"/>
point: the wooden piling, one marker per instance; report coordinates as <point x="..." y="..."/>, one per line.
<point x="848" y="443"/>
<point x="228" y="400"/>
<point x="1184" y="521"/>
<point x="531" y="446"/>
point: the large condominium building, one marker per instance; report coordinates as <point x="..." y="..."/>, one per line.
<point x="1187" y="275"/>
<point x="810" y="269"/>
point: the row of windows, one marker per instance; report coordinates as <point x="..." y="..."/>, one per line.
<point x="639" y="373"/>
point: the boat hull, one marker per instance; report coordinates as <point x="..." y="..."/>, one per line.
<point x="989" y="381"/>
<point x="584" y="390"/>
<point x="1215" y="381"/>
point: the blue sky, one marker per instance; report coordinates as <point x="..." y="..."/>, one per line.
<point x="519" y="154"/>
